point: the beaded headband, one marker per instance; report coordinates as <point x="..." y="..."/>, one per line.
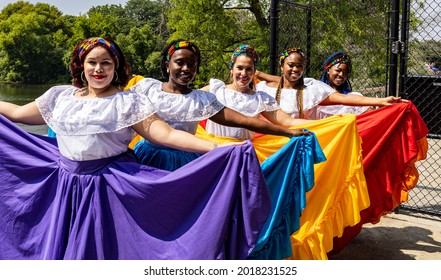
<point x="93" y="41"/>
<point x="288" y="52"/>
<point x="244" y="49"/>
<point x="345" y="59"/>
<point x="181" y="45"/>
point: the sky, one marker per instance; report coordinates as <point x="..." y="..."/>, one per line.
<point x="70" y="7"/>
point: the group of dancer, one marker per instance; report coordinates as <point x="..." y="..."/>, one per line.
<point x="291" y="191"/>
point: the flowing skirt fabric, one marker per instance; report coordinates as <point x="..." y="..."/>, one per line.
<point x="394" y="138"/>
<point x="114" y="208"/>
<point x="288" y="166"/>
<point x="369" y="170"/>
<point x="339" y="193"/>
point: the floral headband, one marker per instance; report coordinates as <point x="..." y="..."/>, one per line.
<point x="244" y="49"/>
<point x="93" y="41"/>
<point x="181" y="45"/>
<point x="345" y="59"/>
<point x="288" y="52"/>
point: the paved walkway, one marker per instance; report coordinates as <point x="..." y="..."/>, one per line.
<point x="398" y="236"/>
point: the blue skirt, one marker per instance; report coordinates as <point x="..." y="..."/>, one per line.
<point x="162" y="157"/>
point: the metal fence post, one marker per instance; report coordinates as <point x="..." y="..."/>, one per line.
<point x="395" y="47"/>
<point x="274" y="16"/>
<point x="404" y="48"/>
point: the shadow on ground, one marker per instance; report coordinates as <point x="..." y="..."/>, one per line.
<point x="396" y="237"/>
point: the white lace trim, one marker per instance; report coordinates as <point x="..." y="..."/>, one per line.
<point x="69" y="115"/>
<point x="248" y="104"/>
<point x="327" y="111"/>
<point x="195" y="106"/>
<point x="314" y="92"/>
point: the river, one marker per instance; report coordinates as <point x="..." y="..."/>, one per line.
<point x="22" y="94"/>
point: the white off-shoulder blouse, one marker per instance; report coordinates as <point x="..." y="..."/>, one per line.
<point x="250" y="105"/>
<point x="92" y="128"/>
<point x="314" y="92"/>
<point x="180" y="111"/>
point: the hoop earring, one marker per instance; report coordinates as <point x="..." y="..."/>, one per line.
<point x="83" y="77"/>
<point x="115" y="75"/>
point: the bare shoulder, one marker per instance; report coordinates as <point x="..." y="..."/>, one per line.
<point x="273" y="84"/>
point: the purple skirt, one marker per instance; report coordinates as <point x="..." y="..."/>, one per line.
<point x="114" y="208"/>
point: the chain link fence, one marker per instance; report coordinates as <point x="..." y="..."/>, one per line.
<point x="320" y="28"/>
<point x="422" y="84"/>
<point x="323" y="27"/>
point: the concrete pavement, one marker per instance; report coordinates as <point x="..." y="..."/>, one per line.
<point x="404" y="235"/>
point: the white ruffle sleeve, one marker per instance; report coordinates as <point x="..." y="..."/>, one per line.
<point x="249" y="105"/>
<point x="181" y="111"/>
<point x="314" y="92"/>
<point x="67" y="114"/>
<point x="92" y="128"/>
<point x="331" y="110"/>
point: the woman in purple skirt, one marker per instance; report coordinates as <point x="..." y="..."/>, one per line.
<point x="84" y="196"/>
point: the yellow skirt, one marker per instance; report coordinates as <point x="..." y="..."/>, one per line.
<point x="340" y="191"/>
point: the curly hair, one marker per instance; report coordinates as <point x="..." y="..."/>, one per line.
<point x="122" y="68"/>
<point x="174" y="45"/>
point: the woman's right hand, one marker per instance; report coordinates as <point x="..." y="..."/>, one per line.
<point x="299" y="132"/>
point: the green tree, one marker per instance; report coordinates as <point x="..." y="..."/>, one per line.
<point x="142" y="49"/>
<point x="359" y="27"/>
<point x="102" y="21"/>
<point x="217" y="27"/>
<point x="32" y="43"/>
<point x="145" y="35"/>
<point x="138" y="28"/>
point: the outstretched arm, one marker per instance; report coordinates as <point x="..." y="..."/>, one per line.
<point x="26" y="114"/>
<point x="229" y="117"/>
<point x="281" y="118"/>
<point x="158" y="132"/>
<point x="358" y="100"/>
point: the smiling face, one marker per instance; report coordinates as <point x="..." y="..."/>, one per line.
<point x="182" y="67"/>
<point x="243" y="71"/>
<point x="338" y="74"/>
<point x="99" y="68"/>
<point x="292" y="68"/>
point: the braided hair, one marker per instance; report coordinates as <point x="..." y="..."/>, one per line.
<point x="300" y="82"/>
<point x="339" y="57"/>
<point x="282" y="57"/>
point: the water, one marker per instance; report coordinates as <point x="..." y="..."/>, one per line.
<point x="23" y="94"/>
